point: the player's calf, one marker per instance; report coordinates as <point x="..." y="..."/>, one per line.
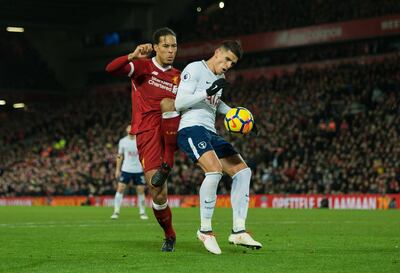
<point x="161" y="175"/>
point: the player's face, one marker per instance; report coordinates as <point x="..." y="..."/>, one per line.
<point x="225" y="60"/>
<point x="166" y="50"/>
<point x="128" y="129"/>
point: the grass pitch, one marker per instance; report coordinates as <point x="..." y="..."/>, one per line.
<point x="84" y="239"/>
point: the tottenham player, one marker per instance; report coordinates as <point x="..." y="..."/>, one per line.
<point x="198" y="100"/>
<point x="128" y="162"/>
<point x="154" y="119"/>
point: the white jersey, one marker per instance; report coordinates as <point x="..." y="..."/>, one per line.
<point x="192" y="101"/>
<point x="131" y="162"/>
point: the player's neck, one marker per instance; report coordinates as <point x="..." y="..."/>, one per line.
<point x="211" y="65"/>
<point x="160" y="63"/>
<point x="131" y="136"/>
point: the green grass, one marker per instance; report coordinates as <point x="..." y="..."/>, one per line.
<point x="84" y="239"/>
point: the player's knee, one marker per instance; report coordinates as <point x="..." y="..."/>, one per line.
<point x="121" y="187"/>
<point x="140" y="189"/>
<point x="167" y="105"/>
<point x="160" y="198"/>
<point x="237" y="168"/>
<point x="211" y="167"/>
<point x="159" y="195"/>
<point x="217" y="168"/>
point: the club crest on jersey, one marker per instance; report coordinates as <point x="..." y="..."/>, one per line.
<point x="175" y="80"/>
<point x="202" y="145"/>
<point x="186" y="76"/>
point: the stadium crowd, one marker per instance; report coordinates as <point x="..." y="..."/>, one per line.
<point x="18" y="56"/>
<point x="213" y="22"/>
<point x="321" y="52"/>
<point x="334" y="130"/>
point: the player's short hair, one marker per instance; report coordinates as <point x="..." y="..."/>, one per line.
<point x="233" y="46"/>
<point x="164" y="31"/>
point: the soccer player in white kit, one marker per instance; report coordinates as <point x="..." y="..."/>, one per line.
<point x="198" y="100"/>
<point x="131" y="170"/>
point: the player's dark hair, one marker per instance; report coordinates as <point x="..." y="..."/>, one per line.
<point x="233" y="46"/>
<point x="162" y="32"/>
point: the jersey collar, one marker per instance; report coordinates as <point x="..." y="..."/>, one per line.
<point x="163" y="69"/>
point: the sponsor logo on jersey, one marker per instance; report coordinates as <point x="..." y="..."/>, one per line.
<point x="161" y="84"/>
<point x="155" y="73"/>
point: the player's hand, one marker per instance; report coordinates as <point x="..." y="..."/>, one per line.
<point x="141" y="51"/>
<point x="216" y="86"/>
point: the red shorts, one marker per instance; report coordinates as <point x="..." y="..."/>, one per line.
<point x="151" y="148"/>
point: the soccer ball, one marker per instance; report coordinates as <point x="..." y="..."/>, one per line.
<point x="239" y="120"/>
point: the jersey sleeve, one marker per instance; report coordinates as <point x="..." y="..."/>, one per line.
<point x="186" y="96"/>
<point x="120" y="66"/>
<point x="223" y="108"/>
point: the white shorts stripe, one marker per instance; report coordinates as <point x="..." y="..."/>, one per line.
<point x="194" y="150"/>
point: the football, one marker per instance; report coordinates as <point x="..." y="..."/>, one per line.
<point x="239" y="120"/>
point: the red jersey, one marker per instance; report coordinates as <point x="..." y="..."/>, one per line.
<point x="150" y="84"/>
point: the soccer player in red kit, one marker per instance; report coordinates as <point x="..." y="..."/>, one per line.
<point x="154" y="119"/>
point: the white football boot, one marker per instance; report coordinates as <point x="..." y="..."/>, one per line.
<point x="209" y="241"/>
<point x="115" y="216"/>
<point x="242" y="238"/>
<point x="143" y="216"/>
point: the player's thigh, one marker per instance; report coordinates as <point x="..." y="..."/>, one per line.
<point x="230" y="159"/>
<point x="121" y="187"/>
<point x="150" y="148"/>
<point x="209" y="162"/>
<point x="124" y="179"/>
<point x="233" y="164"/>
<point x="194" y="141"/>
<point x="140" y="189"/>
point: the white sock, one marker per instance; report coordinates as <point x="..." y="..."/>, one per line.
<point x="140" y="201"/>
<point x="208" y="198"/>
<point x="118" y="201"/>
<point x="160" y="207"/>
<point x="240" y="198"/>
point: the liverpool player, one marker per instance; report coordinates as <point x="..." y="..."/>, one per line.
<point x="154" y="119"/>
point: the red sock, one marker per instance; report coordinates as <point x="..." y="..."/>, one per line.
<point x="164" y="218"/>
<point x="169" y="128"/>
